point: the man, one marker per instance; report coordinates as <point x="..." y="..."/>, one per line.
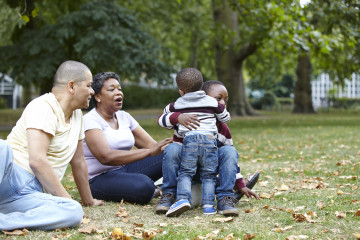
<point x="34" y="159"/>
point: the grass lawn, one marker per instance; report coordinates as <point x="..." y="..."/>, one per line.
<point x="309" y="186"/>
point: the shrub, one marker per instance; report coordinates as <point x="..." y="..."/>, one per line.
<point x="3" y="103"/>
<point x="141" y="97"/>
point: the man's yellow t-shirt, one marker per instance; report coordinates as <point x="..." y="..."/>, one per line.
<point x="45" y="113"/>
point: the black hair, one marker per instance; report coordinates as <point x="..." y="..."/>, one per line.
<point x="98" y="82"/>
<point x="189" y="80"/>
<point x="208" y="85"/>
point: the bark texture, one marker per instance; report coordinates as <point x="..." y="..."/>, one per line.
<point x="229" y="58"/>
<point x="302" y="98"/>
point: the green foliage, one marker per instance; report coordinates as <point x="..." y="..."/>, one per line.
<point x="137" y="97"/>
<point x="346" y="103"/>
<point x="184" y="27"/>
<point x="103" y="35"/>
<point x="3" y="103"/>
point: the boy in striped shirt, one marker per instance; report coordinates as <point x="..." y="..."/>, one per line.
<point x="199" y="147"/>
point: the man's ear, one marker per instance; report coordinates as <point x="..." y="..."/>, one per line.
<point x="70" y="86"/>
<point x="181" y="92"/>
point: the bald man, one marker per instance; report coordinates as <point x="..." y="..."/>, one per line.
<point x="33" y="160"/>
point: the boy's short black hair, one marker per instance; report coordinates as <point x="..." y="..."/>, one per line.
<point x="189" y="80"/>
<point x="208" y="85"/>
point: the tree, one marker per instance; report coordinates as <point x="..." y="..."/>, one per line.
<point x="184" y="27"/>
<point x="242" y="27"/>
<point x="103" y="35"/>
<point x="329" y="39"/>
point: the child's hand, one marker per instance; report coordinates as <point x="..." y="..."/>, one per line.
<point x="189" y="121"/>
<point x="248" y="193"/>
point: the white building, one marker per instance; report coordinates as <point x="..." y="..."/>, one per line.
<point x="320" y="89"/>
<point x="10" y="91"/>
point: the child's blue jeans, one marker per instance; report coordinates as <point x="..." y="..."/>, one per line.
<point x="23" y="204"/>
<point x="198" y="150"/>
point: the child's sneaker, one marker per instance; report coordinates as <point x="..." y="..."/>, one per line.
<point x="209" y="210"/>
<point x="226" y="206"/>
<point x="178" y="208"/>
<point x="164" y="203"/>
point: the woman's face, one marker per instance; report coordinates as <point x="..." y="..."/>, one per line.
<point x="220" y="93"/>
<point x="110" y="95"/>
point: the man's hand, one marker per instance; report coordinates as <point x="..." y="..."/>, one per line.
<point x="248" y="193"/>
<point x="95" y="202"/>
<point x="158" y="147"/>
<point x="189" y="121"/>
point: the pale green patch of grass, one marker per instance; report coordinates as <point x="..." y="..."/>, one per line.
<point x="303" y="160"/>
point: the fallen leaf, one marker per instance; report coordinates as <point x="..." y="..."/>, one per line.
<point x="263" y="183"/>
<point x="16" y="232"/>
<point x="265" y="195"/>
<point x="248" y="236"/>
<point x="320" y="204"/>
<point x="339" y="192"/>
<point x="279" y="229"/>
<point x="283" y="188"/>
<point x="228" y="219"/>
<point x="357" y="235"/>
<point x="228" y="237"/>
<point x="299" y="217"/>
<point x="357" y="214"/>
<point x="88" y="230"/>
<point x="118" y="233"/>
<point x="295" y="237"/>
<point x="340" y="214"/>
<point x="85" y="221"/>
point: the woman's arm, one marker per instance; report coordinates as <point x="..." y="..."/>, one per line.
<point x="99" y="147"/>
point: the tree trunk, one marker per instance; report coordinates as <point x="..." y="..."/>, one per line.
<point x="229" y="61"/>
<point x="302" y="98"/>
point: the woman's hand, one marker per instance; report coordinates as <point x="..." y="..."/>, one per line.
<point x="189" y="121"/>
<point x="158" y="147"/>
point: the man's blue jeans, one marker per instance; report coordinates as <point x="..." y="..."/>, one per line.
<point x="228" y="163"/>
<point x="23" y="204"/>
<point x="198" y="152"/>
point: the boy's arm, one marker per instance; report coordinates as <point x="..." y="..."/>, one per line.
<point x="222" y="114"/>
<point x="169" y="119"/>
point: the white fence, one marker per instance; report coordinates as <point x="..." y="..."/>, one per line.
<point x="320" y="89"/>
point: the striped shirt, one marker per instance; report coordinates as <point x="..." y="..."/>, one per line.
<point x="207" y="109"/>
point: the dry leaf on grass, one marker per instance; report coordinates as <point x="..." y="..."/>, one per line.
<point x="85" y="221"/>
<point x="299" y="217"/>
<point x="248" y="236"/>
<point x="62" y="235"/>
<point x="340" y="214"/>
<point x="89" y="230"/>
<point x="357" y="235"/>
<point x="221" y="220"/>
<point x="357" y="214"/>
<point x="320" y="204"/>
<point x="16" y="232"/>
<point x="280" y="229"/>
<point x="118" y="233"/>
<point x="265" y="195"/>
<point x="295" y="237"/>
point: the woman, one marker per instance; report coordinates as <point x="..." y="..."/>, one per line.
<point x="116" y="171"/>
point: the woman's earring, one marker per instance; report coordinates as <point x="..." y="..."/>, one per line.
<point x="98" y="100"/>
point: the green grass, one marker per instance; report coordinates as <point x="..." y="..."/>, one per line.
<point x="315" y="156"/>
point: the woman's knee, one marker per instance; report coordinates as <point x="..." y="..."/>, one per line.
<point x="143" y="190"/>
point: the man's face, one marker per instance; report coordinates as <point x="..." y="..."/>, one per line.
<point x="84" y="91"/>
